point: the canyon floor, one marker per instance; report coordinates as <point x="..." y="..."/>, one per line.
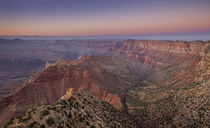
<point x="133" y="83"/>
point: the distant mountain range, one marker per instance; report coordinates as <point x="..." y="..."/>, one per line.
<point x="185" y="37"/>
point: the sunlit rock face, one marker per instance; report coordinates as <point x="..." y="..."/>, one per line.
<point x="68" y="94"/>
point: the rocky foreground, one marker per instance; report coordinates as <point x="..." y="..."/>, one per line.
<point x="76" y="109"/>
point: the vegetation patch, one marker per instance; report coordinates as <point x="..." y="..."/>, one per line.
<point x="45" y="112"/>
<point x="50" y="121"/>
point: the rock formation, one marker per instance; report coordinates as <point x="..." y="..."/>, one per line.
<point x="68" y="94"/>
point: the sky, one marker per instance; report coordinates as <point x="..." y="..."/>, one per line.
<point x="103" y="17"/>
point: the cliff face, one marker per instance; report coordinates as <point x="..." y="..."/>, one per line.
<point x="177" y="94"/>
<point x="146" y="57"/>
<point x="171" y="47"/>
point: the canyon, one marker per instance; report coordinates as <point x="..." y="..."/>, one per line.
<point x="157" y="83"/>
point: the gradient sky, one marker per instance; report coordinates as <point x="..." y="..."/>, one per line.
<point x="103" y="17"/>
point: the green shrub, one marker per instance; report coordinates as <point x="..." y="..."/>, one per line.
<point x="29" y="116"/>
<point x="63" y="102"/>
<point x="69" y="115"/>
<point x="45" y="112"/>
<point x="50" y="121"/>
<point x="32" y="125"/>
<point x="19" y="126"/>
<point x="20" y="119"/>
<point x="51" y="108"/>
<point x="10" y="121"/>
<point x="87" y="123"/>
<point x="92" y="126"/>
<point x="33" y="110"/>
<point x="81" y="119"/>
<point x="67" y="125"/>
<point x="42" y="126"/>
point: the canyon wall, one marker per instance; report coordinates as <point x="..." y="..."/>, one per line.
<point x="134" y="76"/>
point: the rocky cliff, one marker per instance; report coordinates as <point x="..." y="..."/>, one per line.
<point x="177" y="94"/>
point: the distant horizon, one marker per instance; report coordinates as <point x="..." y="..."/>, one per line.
<point x="184" y="37"/>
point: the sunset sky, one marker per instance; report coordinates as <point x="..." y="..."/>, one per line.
<point x="103" y="17"/>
